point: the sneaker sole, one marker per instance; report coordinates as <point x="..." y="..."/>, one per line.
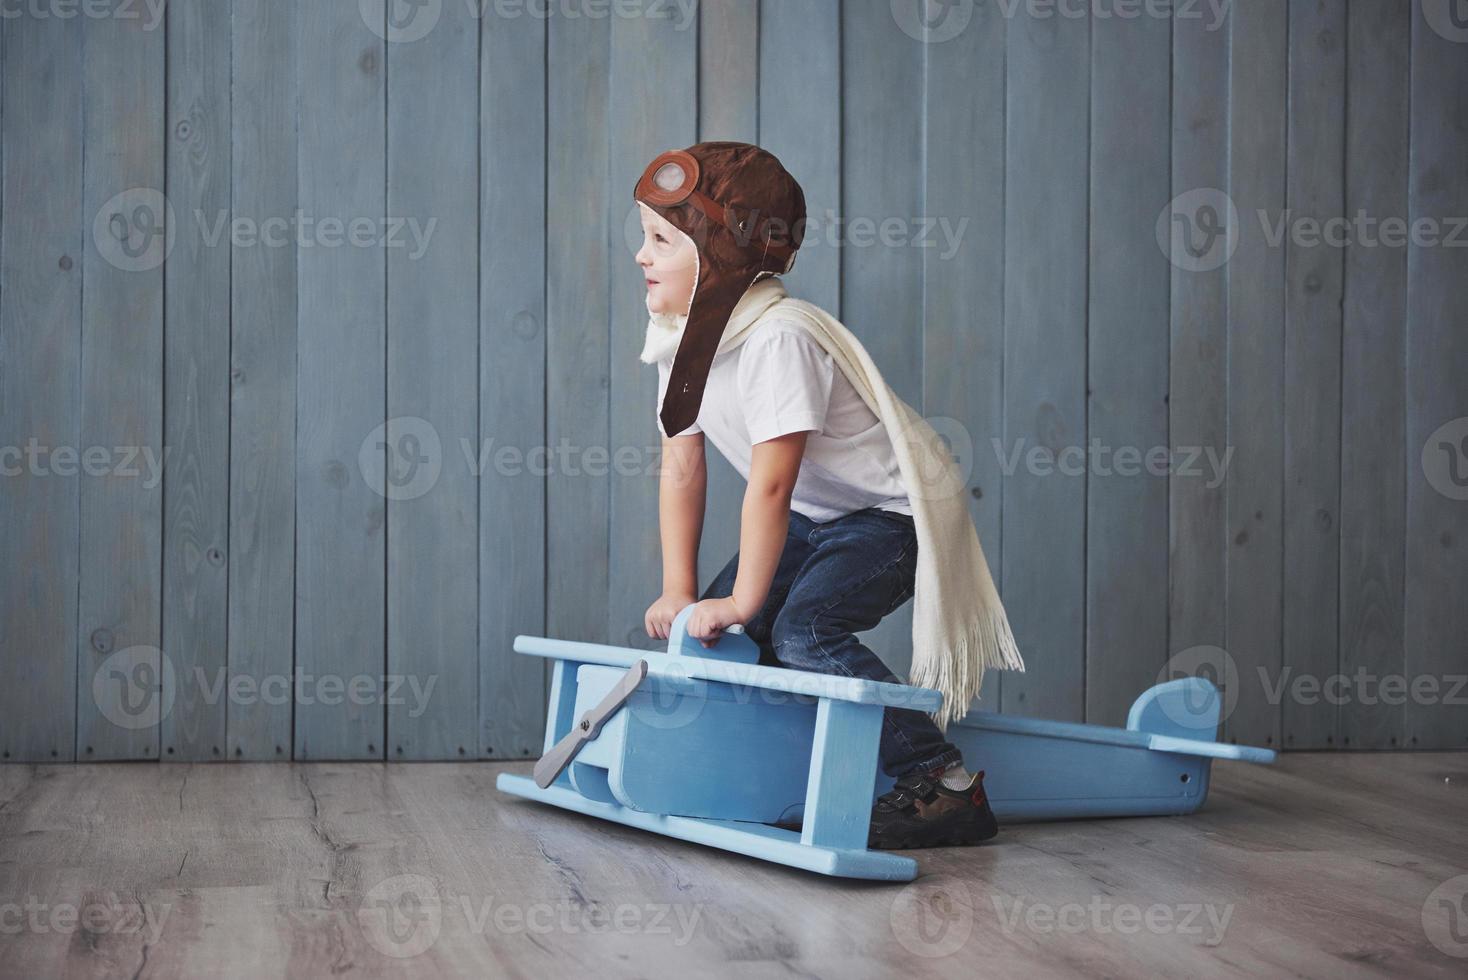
<point x="963" y="835"/>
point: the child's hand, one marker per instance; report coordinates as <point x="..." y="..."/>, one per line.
<point x="711" y="617"/>
<point x="658" y="620"/>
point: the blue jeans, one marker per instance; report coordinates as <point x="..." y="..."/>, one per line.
<point x="835" y="579"/>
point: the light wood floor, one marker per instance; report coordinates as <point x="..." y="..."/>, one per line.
<point x="1320" y="866"/>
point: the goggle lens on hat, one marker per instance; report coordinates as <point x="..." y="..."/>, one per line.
<point x="671" y="179"/>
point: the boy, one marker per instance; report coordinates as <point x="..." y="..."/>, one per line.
<point x="828" y="533"/>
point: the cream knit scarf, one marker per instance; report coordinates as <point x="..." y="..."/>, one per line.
<point x="959" y="627"/>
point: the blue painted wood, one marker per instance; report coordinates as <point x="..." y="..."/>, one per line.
<point x="121" y="692"/>
<point x="699" y="749"/>
<point x="843" y="761"/>
<point x="1373" y="370"/>
<point x="1044" y="520"/>
<point x="262" y="383"/>
<point x="1256" y="371"/>
<point x="1036" y="769"/>
<point x="732" y="646"/>
<point x="41" y="247"/>
<point x="341" y="388"/>
<point x="1197" y="356"/>
<point x="1314" y="287"/>
<point x="196" y="373"/>
<point x="791" y="682"/>
<point x="1436" y="616"/>
<point x="714" y="751"/>
<point x="742" y="837"/>
<point x="1126" y="344"/>
<point x="432" y="292"/>
<point x="583" y="249"/>
<point x="513" y="590"/>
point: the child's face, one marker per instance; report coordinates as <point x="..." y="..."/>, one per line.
<point x="669" y="263"/>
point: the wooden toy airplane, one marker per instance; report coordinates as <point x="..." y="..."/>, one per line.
<point x="707" y="745"/>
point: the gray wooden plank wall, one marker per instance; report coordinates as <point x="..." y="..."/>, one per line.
<point x="391" y="354"/>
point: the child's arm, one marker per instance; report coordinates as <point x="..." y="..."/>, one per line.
<point x="681" y="494"/>
<point x="764" y="523"/>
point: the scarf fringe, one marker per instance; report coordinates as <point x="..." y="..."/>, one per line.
<point x="958" y="672"/>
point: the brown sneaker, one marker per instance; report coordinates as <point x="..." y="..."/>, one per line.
<point x="919" y="811"/>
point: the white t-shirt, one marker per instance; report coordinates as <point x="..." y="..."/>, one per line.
<point x="781" y="380"/>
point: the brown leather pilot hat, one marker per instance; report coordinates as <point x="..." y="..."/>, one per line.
<point x="745" y="214"/>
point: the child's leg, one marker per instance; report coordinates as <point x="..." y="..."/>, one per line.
<point x="861" y="567"/>
<point x="792" y="557"/>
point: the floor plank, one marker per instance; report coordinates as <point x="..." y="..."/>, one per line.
<point x="1319" y="866"/>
